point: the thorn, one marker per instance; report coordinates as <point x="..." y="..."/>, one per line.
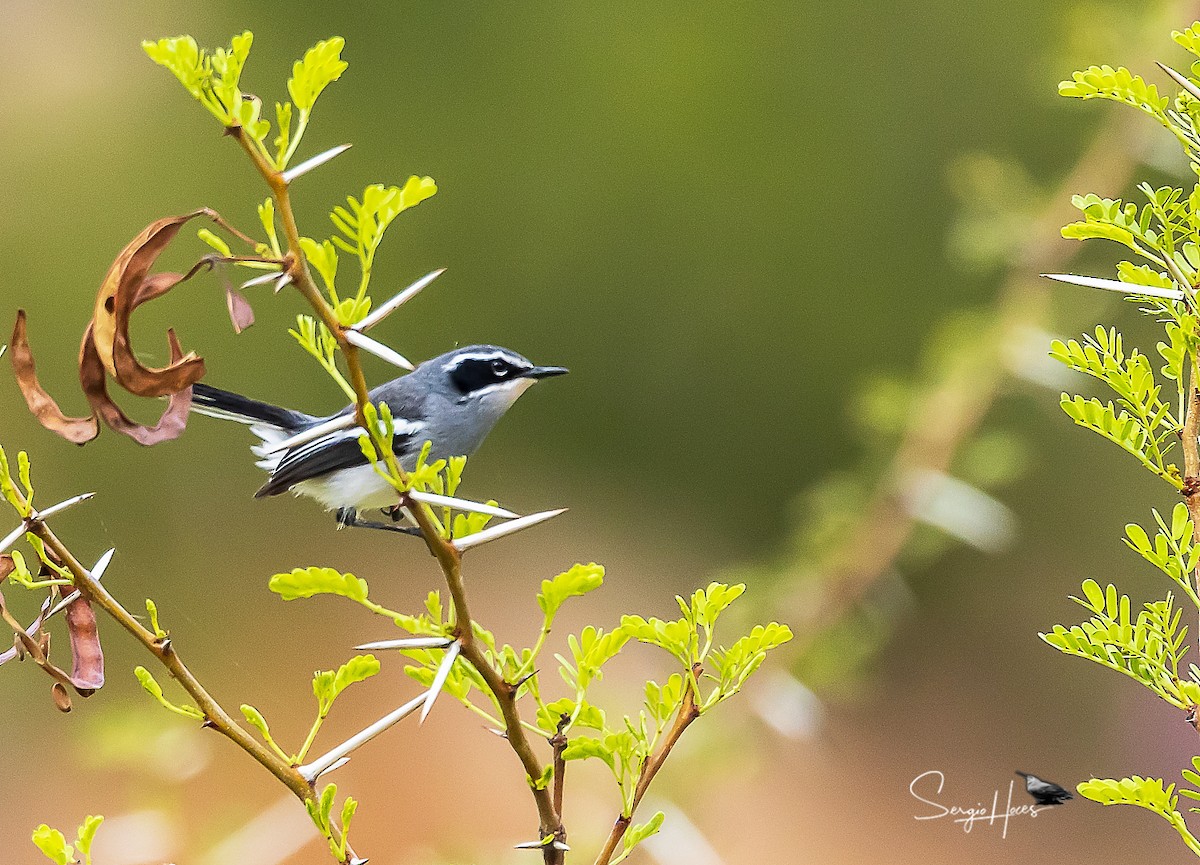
<point x="338" y="756"/>
<point x="560" y="845"/>
<point x="500" y="531"/>
<point x="261" y="280"/>
<point x="14" y="536"/>
<point x="309" y="164"/>
<point x="1115" y="285"/>
<point x="281" y="282"/>
<point x="461" y="504"/>
<point x="344" y="421"/>
<point x="61" y="506"/>
<point x="501" y="733"/>
<point x="440" y="679"/>
<point x="1182" y="80"/>
<point x="396" y="302"/>
<point x="407" y="643"/>
<point x="378" y="349"/>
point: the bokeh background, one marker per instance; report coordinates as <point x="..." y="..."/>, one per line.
<point x="763" y="237"/>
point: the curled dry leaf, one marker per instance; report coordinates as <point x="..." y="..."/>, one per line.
<point x="87" y="670"/>
<point x="61" y="697"/>
<point x="77" y="430"/>
<point x="106" y="350"/>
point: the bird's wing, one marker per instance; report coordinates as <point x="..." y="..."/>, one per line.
<point x="337" y="450"/>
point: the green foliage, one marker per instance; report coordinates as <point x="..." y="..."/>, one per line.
<point x="214" y="80"/>
<point x="1173" y="550"/>
<point x="1145" y="427"/>
<point x="155" y="690"/>
<point x="21" y="503"/>
<point x="329" y="684"/>
<point x="53" y="845"/>
<point x="1147" y="793"/>
<point x="1124" y="430"/>
<point x="307" y="582"/>
<point x="314" y="337"/>
<point x="576" y="582"/>
<point x="1147" y="648"/>
<point x="362" y="223"/>
<point x="320" y="811"/>
<point x="639" y="833"/>
<point x="1121" y="85"/>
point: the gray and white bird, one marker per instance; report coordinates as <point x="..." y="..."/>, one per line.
<point x="1044" y="792"/>
<point x="451" y="401"/>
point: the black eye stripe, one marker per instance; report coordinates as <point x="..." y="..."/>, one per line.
<point x="472" y="374"/>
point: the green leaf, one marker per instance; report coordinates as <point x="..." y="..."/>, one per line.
<point x="215" y="242"/>
<point x="86" y="834"/>
<point x="323" y="257"/>
<point x="321" y="66"/>
<point x="155" y="690"/>
<point x="637" y="834"/>
<point x="1122" y="429"/>
<point x="306" y="582"/>
<point x="329" y="684"/>
<point x="257" y="721"/>
<point x="585" y="748"/>
<point x="53" y="845"/>
<point x="577" y="581"/>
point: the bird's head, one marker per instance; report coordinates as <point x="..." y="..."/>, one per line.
<point x="487" y="377"/>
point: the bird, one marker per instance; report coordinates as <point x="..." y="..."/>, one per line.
<point x="451" y="401"/>
<point x="1044" y="792"/>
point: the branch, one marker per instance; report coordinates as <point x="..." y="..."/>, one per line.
<point x="441" y="548"/>
<point x="688" y="712"/>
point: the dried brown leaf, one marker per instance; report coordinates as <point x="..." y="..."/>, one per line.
<point x="78" y="430"/>
<point x="95" y="388"/>
<point x="61" y="697"/>
<point x="124" y="288"/>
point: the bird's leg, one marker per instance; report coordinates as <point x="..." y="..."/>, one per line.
<point x="348" y="517"/>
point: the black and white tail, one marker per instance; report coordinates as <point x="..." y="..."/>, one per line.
<point x="269" y="422"/>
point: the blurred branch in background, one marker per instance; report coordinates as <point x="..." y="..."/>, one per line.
<point x="930" y="460"/>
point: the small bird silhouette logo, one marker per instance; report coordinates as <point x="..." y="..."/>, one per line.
<point x="1044" y="792"/>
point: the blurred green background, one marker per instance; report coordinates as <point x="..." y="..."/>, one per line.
<point x="723" y="219"/>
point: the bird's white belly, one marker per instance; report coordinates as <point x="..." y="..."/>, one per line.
<point x="358" y="487"/>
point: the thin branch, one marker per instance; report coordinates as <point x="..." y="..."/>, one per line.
<point x="688" y="712"/>
<point x="441" y="548"/>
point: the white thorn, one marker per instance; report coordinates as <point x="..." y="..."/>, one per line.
<point x="559" y="845"/>
<point x="500" y="733"/>
<point x="13" y="536"/>
<point x="309" y="164"/>
<point x="503" y="529"/>
<point x="461" y="504"/>
<point x="97" y="572"/>
<point x="1115" y="285"/>
<point x="407" y="643"/>
<point x="440" y="679"/>
<point x="61" y="506"/>
<point x="261" y="280"/>
<point x="340" y="422"/>
<point x="529" y="845"/>
<point x="324" y="763"/>
<point x="378" y="349"/>
<point x="1182" y="80"/>
<point x="281" y="282"/>
<point x="396" y="302"/>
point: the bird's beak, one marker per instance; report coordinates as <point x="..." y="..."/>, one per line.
<point x="545" y="372"/>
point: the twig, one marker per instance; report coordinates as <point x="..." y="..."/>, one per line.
<point x="688" y="712"/>
<point x="442" y="549"/>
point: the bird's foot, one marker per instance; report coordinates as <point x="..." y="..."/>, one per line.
<point x="349" y="518"/>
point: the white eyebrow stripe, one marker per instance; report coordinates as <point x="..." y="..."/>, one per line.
<point x="498" y="354"/>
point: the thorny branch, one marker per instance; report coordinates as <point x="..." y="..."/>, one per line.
<point x="449" y="558"/>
